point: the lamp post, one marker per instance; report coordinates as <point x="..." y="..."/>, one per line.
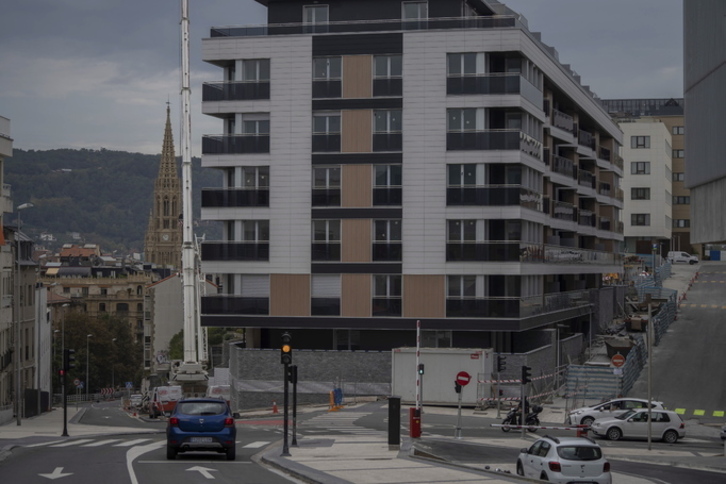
<point x="52" y="371"/>
<point x="63" y="377"/>
<point x="16" y="310"/>
<point x="88" y="338"/>
<point x="113" y="369"/>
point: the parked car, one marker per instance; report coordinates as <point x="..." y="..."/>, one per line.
<point x="723" y="432"/>
<point x="564" y="460"/>
<point x="611" y="408"/>
<point x="135" y="400"/>
<point x="666" y="425"/>
<point x="203" y="425"/>
<point x="680" y="256"/>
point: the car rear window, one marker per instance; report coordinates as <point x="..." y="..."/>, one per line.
<point x="202" y="408"/>
<point x="578" y="452"/>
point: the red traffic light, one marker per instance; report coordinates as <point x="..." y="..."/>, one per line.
<point x="61" y="372"/>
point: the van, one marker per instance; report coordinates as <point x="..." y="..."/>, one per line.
<point x="679" y="256"/>
<point x="163" y="400"/>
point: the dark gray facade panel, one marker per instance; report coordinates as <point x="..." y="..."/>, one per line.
<point x="335" y="213"/>
<point x="367" y="103"/>
<point x="356" y="268"/>
<point x="352" y="44"/>
<point x="356" y="158"/>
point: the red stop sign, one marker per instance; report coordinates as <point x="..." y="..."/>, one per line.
<point x="463" y="378"/>
<point x="617" y="360"/>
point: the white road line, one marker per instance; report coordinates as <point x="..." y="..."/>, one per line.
<point x="73" y="442"/>
<point x="100" y="443"/>
<point x="130" y="443"/>
<point x="256" y="445"/>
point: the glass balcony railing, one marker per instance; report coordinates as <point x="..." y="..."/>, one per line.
<point x="235" y="251"/>
<point x="586" y="139"/>
<point x="586" y="178"/>
<point x="495" y="83"/>
<point x="224" y="304"/>
<point x="494" y="195"/>
<point x="235" y="91"/>
<point x="563" y="166"/>
<point x="563" y="121"/>
<point x="235" y="144"/>
<point x="515" y="307"/>
<point x="235" y="197"/>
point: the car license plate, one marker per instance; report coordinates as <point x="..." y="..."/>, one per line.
<point x="201" y="440"/>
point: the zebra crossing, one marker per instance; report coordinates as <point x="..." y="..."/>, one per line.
<point x="122" y="443"/>
<point x="343" y="422"/>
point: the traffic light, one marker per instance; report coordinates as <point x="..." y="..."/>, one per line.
<point x="69" y="359"/>
<point x="286" y="349"/>
<point x="526" y="375"/>
<point x="501" y="363"/>
<point x="420" y="368"/>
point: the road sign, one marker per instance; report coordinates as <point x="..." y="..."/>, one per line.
<point x="463" y="378"/>
<point x="129" y="385"/>
<point x="76" y="382"/>
<point x="617" y="360"/>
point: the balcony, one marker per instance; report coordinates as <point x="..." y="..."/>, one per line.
<point x="497" y="83"/>
<point x="387" y="251"/>
<point x="325" y="306"/>
<point x="604" y="189"/>
<point x="387" y="196"/>
<point x="367" y="26"/>
<point x="326" y="143"/>
<point x="493" y="140"/>
<point x="235" y="91"/>
<point x="387" y="142"/>
<point x="494" y="196"/>
<point x="586" y="139"/>
<point x="564" y="211"/>
<point x="326" y="197"/>
<point x="229" y="305"/>
<point x="563" y="121"/>
<point x="586" y="218"/>
<point x="494" y="251"/>
<point x="235" y="197"/>
<point x="235" y="144"/>
<point x="557" y="254"/>
<point x="515" y="307"/>
<point x="388" y="87"/>
<point x="604" y="154"/>
<point x="324" y="89"/>
<point x="325" y="251"/>
<point x="563" y="166"/>
<point x="586" y="178"/>
<point x="386" y="306"/>
<point x="235" y="251"/>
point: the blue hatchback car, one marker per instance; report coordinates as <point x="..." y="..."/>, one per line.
<point x="201" y="425"/>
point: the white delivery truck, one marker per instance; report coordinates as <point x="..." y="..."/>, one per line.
<point x="440" y="370"/>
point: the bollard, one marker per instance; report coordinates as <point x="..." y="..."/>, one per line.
<point x="274" y="408"/>
<point x="394" y="423"/>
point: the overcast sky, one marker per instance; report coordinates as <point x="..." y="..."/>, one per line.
<point x="98" y="73"/>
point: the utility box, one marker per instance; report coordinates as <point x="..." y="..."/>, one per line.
<point x="441" y="367"/>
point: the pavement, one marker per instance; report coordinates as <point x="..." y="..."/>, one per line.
<point x="368" y="458"/>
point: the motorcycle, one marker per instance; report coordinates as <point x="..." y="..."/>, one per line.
<point x="531" y="421"/>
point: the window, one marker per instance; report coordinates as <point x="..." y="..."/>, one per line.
<point x="681" y="223"/>
<point x="255" y="231"/>
<point x="315" y="14"/>
<point x="678" y="130"/>
<point x="465" y="119"/>
<point x="327" y="68"/>
<point x="640" y="193"/>
<point x="640" y="168"/>
<point x="387" y="230"/>
<point x="254" y="125"/>
<point x="326" y="177"/>
<point x="415" y="10"/>
<point x="461" y="230"/>
<point x="640" y="219"/>
<point x="678" y="153"/>
<point x="386" y="286"/>
<point x="464" y="64"/>
<point x="681" y="200"/>
<point x="387" y="176"/>
<point x="462" y="175"/>
<point x="254" y="177"/>
<point x="256" y="70"/>
<point x="387" y="121"/>
<point x="679" y="177"/>
<point x="387" y="66"/>
<point x="326" y="123"/>
<point x="640" y="141"/>
<point x="461" y="286"/>
<point x="326" y="231"/>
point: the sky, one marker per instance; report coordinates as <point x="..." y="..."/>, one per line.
<point x="98" y="73"/>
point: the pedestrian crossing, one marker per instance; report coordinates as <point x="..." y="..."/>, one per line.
<point x="343" y="422"/>
<point x="123" y="443"/>
<point x="703" y="306"/>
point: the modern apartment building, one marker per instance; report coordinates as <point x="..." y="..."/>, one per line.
<point x="387" y="162"/>
<point x="668" y="113"/>
<point x="704" y="80"/>
<point x="6" y="262"/>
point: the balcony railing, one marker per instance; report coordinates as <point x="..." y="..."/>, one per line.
<point x="563" y="121"/>
<point x="586" y="218"/>
<point x="235" y="91"/>
<point x="228" y="305"/>
<point x="494" y="83"/>
<point x="366" y="26"/>
<point x="586" y="178"/>
<point x="563" y="166"/>
<point x="586" y="139"/>
<point x="235" y="144"/>
<point x="557" y="254"/>
<point x="564" y="211"/>
<point x="604" y="189"/>
<point x="235" y="197"/>
<point x="325" y="251"/>
<point x="326" y="197"/>
<point x="235" y="251"/>
<point x="501" y="139"/>
<point x="604" y="154"/>
<point x="515" y="307"/>
<point x="387" y="196"/>
<point x="387" y="251"/>
<point x="494" y="195"/>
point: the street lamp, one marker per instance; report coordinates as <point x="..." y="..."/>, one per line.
<point x="52" y="370"/>
<point x="113" y="369"/>
<point x="16" y="311"/>
<point x="63" y="377"/>
<point x="88" y="338"/>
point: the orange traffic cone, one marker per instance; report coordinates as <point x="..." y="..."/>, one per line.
<point x="274" y="408"/>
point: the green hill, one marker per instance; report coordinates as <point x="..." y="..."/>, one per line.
<point x="104" y="196"/>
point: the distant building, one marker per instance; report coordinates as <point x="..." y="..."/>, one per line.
<point x="705" y="102"/>
<point x="389" y="162"/>
<point x="163" y="240"/>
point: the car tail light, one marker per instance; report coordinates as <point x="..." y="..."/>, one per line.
<point x="606" y="467"/>
<point x="682" y="426"/>
<point x="229" y="422"/>
<point x="555" y="466"/>
<point x="173" y="422"/>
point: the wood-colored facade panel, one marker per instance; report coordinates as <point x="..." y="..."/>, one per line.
<point x="356" y="186"/>
<point x="356" y="296"/>
<point x="289" y="295"/>
<point x="424" y="296"/>
<point x="357" y="131"/>
<point x="357" y="80"/>
<point x="356" y="240"/>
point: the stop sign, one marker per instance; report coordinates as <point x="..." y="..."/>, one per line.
<point x="617" y="360"/>
<point x="463" y="378"/>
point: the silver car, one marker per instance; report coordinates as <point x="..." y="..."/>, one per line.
<point x="611" y="408"/>
<point x="564" y="460"/>
<point x="666" y="425"/>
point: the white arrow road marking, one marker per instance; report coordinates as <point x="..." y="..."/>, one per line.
<point x="56" y="474"/>
<point x="204" y="471"/>
<point x="134" y="452"/>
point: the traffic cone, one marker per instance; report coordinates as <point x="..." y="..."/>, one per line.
<point x="274" y="408"/>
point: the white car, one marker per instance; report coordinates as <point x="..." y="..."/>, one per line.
<point x="564" y="460"/>
<point x="136" y="399"/>
<point x="611" y="408"/>
<point x="666" y="425"/>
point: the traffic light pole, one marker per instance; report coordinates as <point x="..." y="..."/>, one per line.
<point x="285" y="447"/>
<point x="65" y="405"/>
<point x="293" y="378"/>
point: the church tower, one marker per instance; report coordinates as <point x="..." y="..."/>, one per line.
<point x="163" y="241"/>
